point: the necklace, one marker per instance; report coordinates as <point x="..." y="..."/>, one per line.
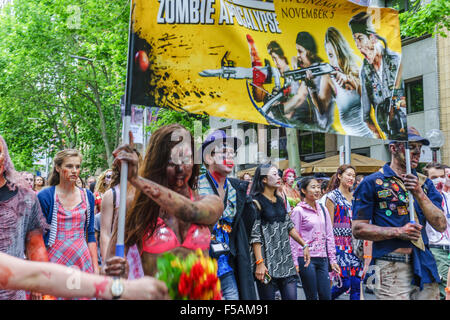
<point x="273" y="200"/>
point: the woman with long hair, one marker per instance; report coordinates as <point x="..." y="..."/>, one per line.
<point x="39" y="184"/>
<point x="110" y="206"/>
<point x="346" y="84"/>
<point x="313" y="223"/>
<point x="166" y="215"/>
<point x="70" y="212"/>
<point x="274" y="265"/>
<point x="339" y="205"/>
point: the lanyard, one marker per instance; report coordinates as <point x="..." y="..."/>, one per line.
<point x="225" y="185"/>
<point x="215" y="186"/>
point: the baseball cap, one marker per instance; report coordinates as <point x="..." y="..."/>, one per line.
<point x="219" y="137"/>
<point x="414" y="136"/>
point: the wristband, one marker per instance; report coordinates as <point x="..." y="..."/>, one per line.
<point x="367" y="257"/>
<point x="447" y="289"/>
<point x="259" y="261"/>
<point x="305" y="246"/>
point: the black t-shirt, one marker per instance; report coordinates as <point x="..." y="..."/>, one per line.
<point x="271" y="212"/>
<point x="6" y="194"/>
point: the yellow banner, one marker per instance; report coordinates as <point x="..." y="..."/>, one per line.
<point x="321" y="65"/>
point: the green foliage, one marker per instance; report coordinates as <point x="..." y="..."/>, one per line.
<point x="431" y="18"/>
<point x="188" y="120"/>
<point x="50" y="100"/>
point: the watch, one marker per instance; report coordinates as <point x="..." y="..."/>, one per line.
<point x="117" y="288"/>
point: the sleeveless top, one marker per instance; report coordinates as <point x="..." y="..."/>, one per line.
<point x="350" y="112"/>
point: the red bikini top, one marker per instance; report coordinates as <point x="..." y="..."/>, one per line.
<point x="164" y="239"/>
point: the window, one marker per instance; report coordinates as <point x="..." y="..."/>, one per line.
<point x="311" y="143"/>
<point x="414" y="95"/>
<point x="281" y="144"/>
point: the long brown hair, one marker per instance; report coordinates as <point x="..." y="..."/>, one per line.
<point x="58" y="161"/>
<point x="335" y="181"/>
<point x="144" y="212"/>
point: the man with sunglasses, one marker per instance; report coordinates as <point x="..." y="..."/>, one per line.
<point x="229" y="239"/>
<point x="404" y="265"/>
<point x="440" y="241"/>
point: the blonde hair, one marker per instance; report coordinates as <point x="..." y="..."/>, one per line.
<point x="347" y="60"/>
<point x="101" y="185"/>
<point x="58" y="161"/>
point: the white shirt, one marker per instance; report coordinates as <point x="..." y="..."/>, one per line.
<point x="434" y="236"/>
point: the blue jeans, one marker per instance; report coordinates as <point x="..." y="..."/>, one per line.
<point x="229" y="286"/>
<point x="287" y="287"/>
<point x="315" y="278"/>
<point x="353" y="283"/>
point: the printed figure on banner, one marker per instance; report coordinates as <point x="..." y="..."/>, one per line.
<point x="331" y="66"/>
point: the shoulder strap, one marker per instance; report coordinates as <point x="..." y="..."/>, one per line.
<point x="325" y="217"/>
<point x="114" y="208"/>
<point x="114" y="197"/>
<point x="256" y="202"/>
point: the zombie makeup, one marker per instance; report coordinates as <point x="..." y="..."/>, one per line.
<point x="290" y="177"/>
<point x="108" y="177"/>
<point x="179" y="168"/>
<point x="273" y="180"/>
<point x="70" y="169"/>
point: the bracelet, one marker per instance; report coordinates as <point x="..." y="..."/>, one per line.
<point x="305" y="246"/>
<point x="447" y="289"/>
<point x="367" y="257"/>
<point x="259" y="261"/>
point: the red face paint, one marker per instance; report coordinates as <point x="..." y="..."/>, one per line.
<point x="217" y="176"/>
<point x="100" y="287"/>
<point x="228" y="162"/>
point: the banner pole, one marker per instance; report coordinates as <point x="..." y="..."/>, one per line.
<point x="120" y="247"/>
<point x="410" y="197"/>
<point x="348" y="150"/>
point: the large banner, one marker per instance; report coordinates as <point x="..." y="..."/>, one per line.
<point x="321" y="65"/>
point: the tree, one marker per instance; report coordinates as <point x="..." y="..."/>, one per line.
<point x="62" y="73"/>
<point x="431" y="18"/>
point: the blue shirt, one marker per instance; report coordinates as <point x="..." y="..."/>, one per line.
<point x="222" y="229"/>
<point x="381" y="200"/>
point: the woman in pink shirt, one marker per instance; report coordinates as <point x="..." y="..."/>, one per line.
<point x="309" y="220"/>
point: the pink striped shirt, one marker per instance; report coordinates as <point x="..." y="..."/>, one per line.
<point x="310" y="224"/>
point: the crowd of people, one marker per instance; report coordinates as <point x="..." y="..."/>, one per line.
<point x="271" y="234"/>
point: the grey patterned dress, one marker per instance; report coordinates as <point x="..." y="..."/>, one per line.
<point x="274" y="239"/>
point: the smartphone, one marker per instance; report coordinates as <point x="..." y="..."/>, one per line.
<point x="267" y="278"/>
